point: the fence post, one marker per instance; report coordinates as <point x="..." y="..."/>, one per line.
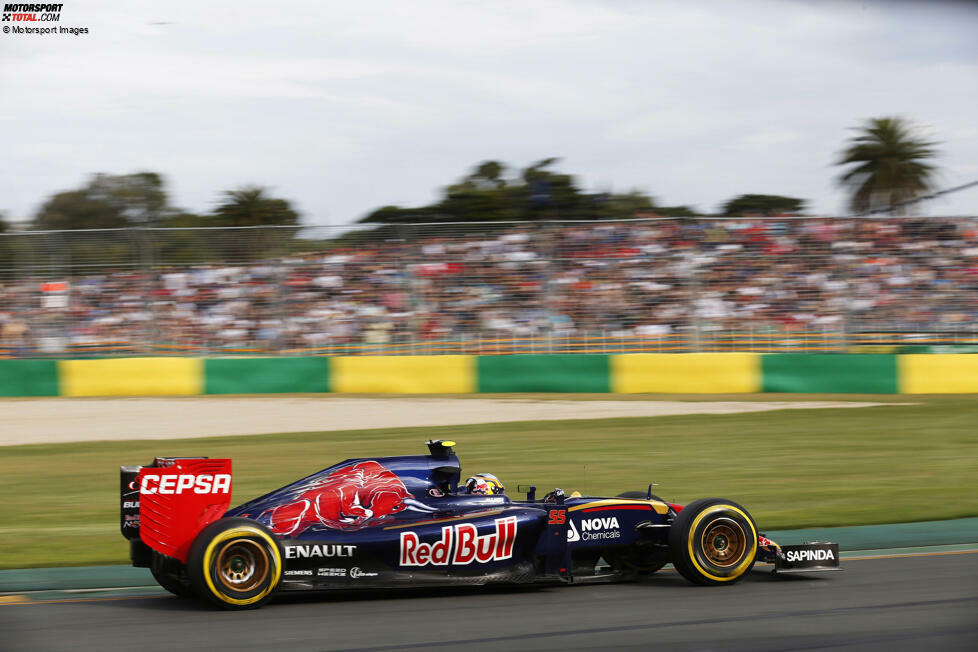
<point x="544" y="245"/>
<point x="62" y="327"/>
<point x="848" y="277"/>
<point x="409" y="281"/>
<point x="282" y="273"/>
<point x="143" y="245"/>
<point x="694" y="291"/>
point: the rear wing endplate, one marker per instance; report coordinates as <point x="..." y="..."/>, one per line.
<point x="166" y="504"/>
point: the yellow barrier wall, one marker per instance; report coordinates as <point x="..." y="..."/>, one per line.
<point x="131" y="377"/>
<point x="945" y="373"/>
<point x="408" y="374"/>
<point x="686" y="373"/>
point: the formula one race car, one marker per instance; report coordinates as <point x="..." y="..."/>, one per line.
<point x="392" y="521"/>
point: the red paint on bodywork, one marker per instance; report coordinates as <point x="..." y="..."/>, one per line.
<point x="616" y="508"/>
<point x="172" y="513"/>
<point x="349" y="498"/>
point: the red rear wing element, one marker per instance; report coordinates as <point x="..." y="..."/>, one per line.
<point x="178" y="501"/>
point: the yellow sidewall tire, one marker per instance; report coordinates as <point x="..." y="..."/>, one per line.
<point x="203" y="558"/>
<point x="685" y="541"/>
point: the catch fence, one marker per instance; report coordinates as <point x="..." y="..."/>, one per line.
<point x="652" y="285"/>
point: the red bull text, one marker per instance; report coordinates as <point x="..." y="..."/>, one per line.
<point x="460" y="545"/>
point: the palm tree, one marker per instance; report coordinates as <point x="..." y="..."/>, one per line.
<point x="888" y="166"/>
<point x="251" y="206"/>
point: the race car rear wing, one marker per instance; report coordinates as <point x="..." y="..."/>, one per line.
<point x="166" y="504"/>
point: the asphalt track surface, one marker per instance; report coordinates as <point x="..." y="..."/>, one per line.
<point x="904" y="603"/>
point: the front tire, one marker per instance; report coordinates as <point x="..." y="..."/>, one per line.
<point x="236" y="563"/>
<point x="713" y="541"/>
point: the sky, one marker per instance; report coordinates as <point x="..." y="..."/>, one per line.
<point x="342" y="107"/>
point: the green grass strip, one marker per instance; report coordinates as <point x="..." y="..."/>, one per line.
<point x="790" y="468"/>
<point x="957" y="531"/>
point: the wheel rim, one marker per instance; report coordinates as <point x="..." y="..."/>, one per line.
<point x="242" y="565"/>
<point x="724" y="542"/>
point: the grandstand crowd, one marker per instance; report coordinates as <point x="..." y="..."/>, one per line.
<point x="524" y="280"/>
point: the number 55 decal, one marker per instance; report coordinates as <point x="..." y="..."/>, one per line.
<point x="557" y="517"/>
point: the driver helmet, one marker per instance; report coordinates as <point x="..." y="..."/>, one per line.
<point x="484" y="484"/>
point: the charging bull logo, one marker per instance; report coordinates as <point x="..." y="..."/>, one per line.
<point x="349" y="498"/>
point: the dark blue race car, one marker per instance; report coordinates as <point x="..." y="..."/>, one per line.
<point x="396" y="521"/>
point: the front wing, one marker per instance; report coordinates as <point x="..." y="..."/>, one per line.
<point x="814" y="556"/>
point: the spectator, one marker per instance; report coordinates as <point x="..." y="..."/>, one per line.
<point x="647" y="279"/>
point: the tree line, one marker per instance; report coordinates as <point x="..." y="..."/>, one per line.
<point x="130" y="200"/>
<point x="493" y="192"/>
<point x="886" y="167"/>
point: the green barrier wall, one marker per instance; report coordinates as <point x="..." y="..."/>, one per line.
<point x="829" y="373"/>
<point x="582" y="372"/>
<point x="28" y="378"/>
<point x="266" y="375"/>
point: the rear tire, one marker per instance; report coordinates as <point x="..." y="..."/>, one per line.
<point x="176" y="583"/>
<point x="236" y="563"/>
<point x="713" y="541"/>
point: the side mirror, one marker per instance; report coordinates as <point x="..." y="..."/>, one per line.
<point x="649" y="495"/>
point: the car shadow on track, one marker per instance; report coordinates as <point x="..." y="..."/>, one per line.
<point x="667" y="578"/>
<point x="766" y="573"/>
<point x="173" y="603"/>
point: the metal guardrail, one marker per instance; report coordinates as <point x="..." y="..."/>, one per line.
<point x="648" y="285"/>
